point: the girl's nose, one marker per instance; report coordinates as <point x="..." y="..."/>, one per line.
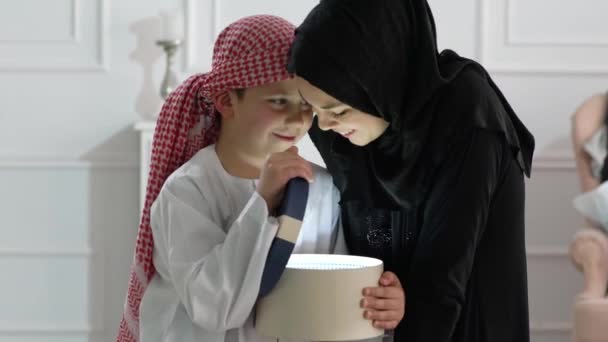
<point x="326" y="122"/>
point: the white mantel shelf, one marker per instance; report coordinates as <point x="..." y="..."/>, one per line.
<point x="146" y="125"/>
<point x="146" y="133"/>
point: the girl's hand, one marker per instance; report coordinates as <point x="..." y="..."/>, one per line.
<point x="384" y="305"/>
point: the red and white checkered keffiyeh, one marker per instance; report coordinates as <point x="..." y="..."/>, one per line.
<point x="250" y="52"/>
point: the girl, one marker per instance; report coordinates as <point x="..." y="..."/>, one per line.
<point x="429" y="159"/>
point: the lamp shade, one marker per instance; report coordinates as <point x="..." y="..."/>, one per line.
<point x="317" y="298"/>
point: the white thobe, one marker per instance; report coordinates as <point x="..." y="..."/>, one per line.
<point x="212" y="232"/>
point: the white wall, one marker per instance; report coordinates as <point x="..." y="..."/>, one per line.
<point x="75" y="75"/>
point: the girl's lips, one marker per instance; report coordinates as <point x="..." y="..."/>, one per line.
<point x="285" y="137"/>
<point x="348" y="134"/>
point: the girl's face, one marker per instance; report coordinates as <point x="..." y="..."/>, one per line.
<point x="269" y="118"/>
<point x="358" y="127"/>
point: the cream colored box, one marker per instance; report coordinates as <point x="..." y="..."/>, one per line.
<point x="318" y="299"/>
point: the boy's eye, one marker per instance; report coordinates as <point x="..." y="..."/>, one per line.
<point x="278" y="102"/>
<point x="305" y="106"/>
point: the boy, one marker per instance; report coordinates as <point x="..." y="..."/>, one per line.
<point x="223" y="152"/>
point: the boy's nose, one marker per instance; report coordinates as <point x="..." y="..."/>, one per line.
<point x="298" y="116"/>
<point x="295" y="117"/>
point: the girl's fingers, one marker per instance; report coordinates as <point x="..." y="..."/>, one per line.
<point x="389" y="279"/>
<point x="388" y="315"/>
<point x="383" y="292"/>
<point x="381" y="304"/>
<point x="386" y="325"/>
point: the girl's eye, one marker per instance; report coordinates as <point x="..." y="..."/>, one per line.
<point x="337" y="115"/>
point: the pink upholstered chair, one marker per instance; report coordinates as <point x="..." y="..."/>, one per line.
<point x="589" y="249"/>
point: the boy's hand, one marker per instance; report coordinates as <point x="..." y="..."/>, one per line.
<point x="384" y="305"/>
<point x="277" y="171"/>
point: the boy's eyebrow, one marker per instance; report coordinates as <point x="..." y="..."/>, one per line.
<point x="280" y="94"/>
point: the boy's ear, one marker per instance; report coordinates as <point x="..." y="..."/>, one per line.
<point x="224" y="104"/>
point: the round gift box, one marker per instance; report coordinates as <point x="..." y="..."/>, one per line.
<point x="318" y="297"/>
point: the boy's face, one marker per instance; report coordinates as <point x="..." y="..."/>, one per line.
<point x="269" y="118"/>
<point x="358" y="127"/>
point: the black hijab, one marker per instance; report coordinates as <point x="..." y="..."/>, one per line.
<point x="604" y="170"/>
<point x="381" y="57"/>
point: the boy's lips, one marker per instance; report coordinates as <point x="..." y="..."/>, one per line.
<point x="285" y="137"/>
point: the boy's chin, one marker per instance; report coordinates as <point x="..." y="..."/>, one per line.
<point x="281" y="147"/>
<point x="286" y="147"/>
